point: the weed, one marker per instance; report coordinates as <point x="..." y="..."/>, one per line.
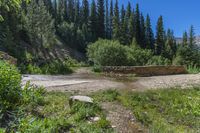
<point x="106" y="96"/>
<point x="193" y="69"/>
<point x="172" y="110"/>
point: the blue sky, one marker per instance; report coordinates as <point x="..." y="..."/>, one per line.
<point x="178" y="14"/>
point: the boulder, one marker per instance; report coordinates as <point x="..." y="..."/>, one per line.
<point x="84" y="99"/>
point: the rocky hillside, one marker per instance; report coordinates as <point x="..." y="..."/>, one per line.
<point x="4" y="56"/>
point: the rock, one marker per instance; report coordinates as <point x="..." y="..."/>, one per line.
<point x="84" y="99"/>
<point x="95" y="119"/>
<point x="113" y="126"/>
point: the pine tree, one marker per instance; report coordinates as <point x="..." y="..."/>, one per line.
<point x="65" y="10"/>
<point x="107" y="21"/>
<point x="85" y="12"/>
<point x="149" y="34"/>
<point x="142" y="32"/>
<point x="123" y="27"/>
<point x="111" y="20"/>
<point x="77" y="13"/>
<point x="185" y="38"/>
<point x="160" y="37"/>
<point x="93" y="20"/>
<point x="48" y="4"/>
<point x="128" y="12"/>
<point x="55" y="7"/>
<point x="70" y="10"/>
<point x="100" y="19"/>
<point x="137" y="25"/>
<point x="61" y="11"/>
<point x="170" y="45"/>
<point x="38" y="16"/>
<point x="131" y="29"/>
<point x="123" y="13"/>
<point x="116" y="22"/>
<point x="192" y="36"/>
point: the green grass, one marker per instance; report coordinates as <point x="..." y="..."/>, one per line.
<point x="161" y="111"/>
<point x="193" y="69"/>
<point x="106" y="96"/>
<point x="55" y="115"/>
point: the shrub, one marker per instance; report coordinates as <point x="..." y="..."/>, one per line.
<point x="33" y="69"/>
<point x="56" y="67"/>
<point x="97" y="69"/>
<point x="13" y="98"/>
<point x="159" y="60"/>
<point x="187" y="55"/>
<point x="193" y="69"/>
<point x="137" y="56"/>
<point x="10" y="86"/>
<point x="53" y="67"/>
<point x="107" y="53"/>
<point x="32" y="94"/>
<point x="112" y="53"/>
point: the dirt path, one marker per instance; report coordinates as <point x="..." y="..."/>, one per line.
<point x="122" y="119"/>
<point x="159" y="82"/>
<point x="86" y="82"/>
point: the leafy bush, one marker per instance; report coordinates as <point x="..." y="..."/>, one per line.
<point x="159" y="60"/>
<point x="107" y="53"/>
<point x="187" y="55"/>
<point x="97" y="69"/>
<point x="33" y="69"/>
<point x="137" y="56"/>
<point x="10" y="86"/>
<point x="56" y="67"/>
<point x="53" y="67"/>
<point x="13" y="98"/>
<point x="112" y="53"/>
<point x="32" y="94"/>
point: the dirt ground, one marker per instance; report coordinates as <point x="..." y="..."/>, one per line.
<point x="122" y="119"/>
<point x="85" y="82"/>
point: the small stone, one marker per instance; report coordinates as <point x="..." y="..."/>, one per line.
<point x="132" y="119"/>
<point x="95" y="119"/>
<point x="84" y="99"/>
<point x="113" y="126"/>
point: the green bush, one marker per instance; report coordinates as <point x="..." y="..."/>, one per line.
<point x="14" y="99"/>
<point x="193" y="69"/>
<point x="10" y="86"/>
<point x="56" y="67"/>
<point x="112" y="53"/>
<point x="53" y="67"/>
<point x="159" y="60"/>
<point x="187" y="55"/>
<point x="32" y="94"/>
<point x="97" y="69"/>
<point x="137" y="56"/>
<point x="107" y="53"/>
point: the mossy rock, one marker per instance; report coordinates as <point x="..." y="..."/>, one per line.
<point x="4" y="56"/>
